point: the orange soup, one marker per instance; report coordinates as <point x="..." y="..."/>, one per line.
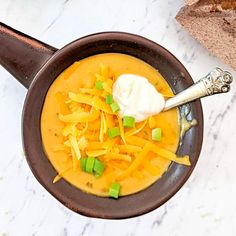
<point x="79" y="127"/>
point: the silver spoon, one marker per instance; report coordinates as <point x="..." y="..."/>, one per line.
<point x="217" y="81"/>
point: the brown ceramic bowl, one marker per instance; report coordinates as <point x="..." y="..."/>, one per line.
<point x="36" y="65"/>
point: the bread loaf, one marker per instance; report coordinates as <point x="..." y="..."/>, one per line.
<point x="212" y="23"/>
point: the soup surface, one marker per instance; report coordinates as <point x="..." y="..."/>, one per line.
<point x="80" y="78"/>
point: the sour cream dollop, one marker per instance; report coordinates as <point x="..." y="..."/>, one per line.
<point x="137" y="97"/>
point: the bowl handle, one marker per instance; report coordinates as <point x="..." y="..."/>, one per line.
<point x="22" y="55"/>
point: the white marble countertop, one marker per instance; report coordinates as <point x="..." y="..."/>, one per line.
<point x="207" y="202"/>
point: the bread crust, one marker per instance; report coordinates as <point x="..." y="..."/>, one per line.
<point x="212" y="26"/>
<point x="224" y="4"/>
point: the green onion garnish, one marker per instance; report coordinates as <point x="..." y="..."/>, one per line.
<point x="109" y="99"/>
<point x="129" y="121"/>
<point x="89" y="164"/>
<point x="113" y="132"/>
<point x="98" y="167"/>
<point x="114" y="190"/>
<point x="156" y="134"/>
<point x="99" y="85"/>
<point x="83" y="161"/>
<point x="115" y="107"/>
<point x="92" y="165"/>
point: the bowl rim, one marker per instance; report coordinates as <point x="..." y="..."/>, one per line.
<point x="25" y="129"/>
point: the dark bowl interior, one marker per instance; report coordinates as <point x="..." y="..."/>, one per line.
<point x="78" y="201"/>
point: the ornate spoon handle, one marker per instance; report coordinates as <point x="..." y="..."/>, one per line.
<point x="217" y="81"/>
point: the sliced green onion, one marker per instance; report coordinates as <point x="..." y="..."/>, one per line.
<point x="115" y="107"/>
<point x="114" y="190"/>
<point x="129" y="121"/>
<point x="109" y="99"/>
<point x="83" y="161"/>
<point x="99" y="85"/>
<point x="98" y="167"/>
<point x="156" y="134"/>
<point x="90" y="164"/>
<point x="113" y="132"/>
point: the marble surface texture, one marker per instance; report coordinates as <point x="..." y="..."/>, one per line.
<point x="207" y="202"/>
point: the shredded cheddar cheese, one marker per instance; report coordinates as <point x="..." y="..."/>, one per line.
<point x="116" y="156"/>
<point x="96" y="153"/>
<point x="87" y="119"/>
<point x="136" y="130"/>
<point x="122" y="133"/>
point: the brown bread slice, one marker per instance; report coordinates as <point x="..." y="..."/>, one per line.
<point x="212" y="26"/>
<point x="191" y="2"/>
<point x="224" y="4"/>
